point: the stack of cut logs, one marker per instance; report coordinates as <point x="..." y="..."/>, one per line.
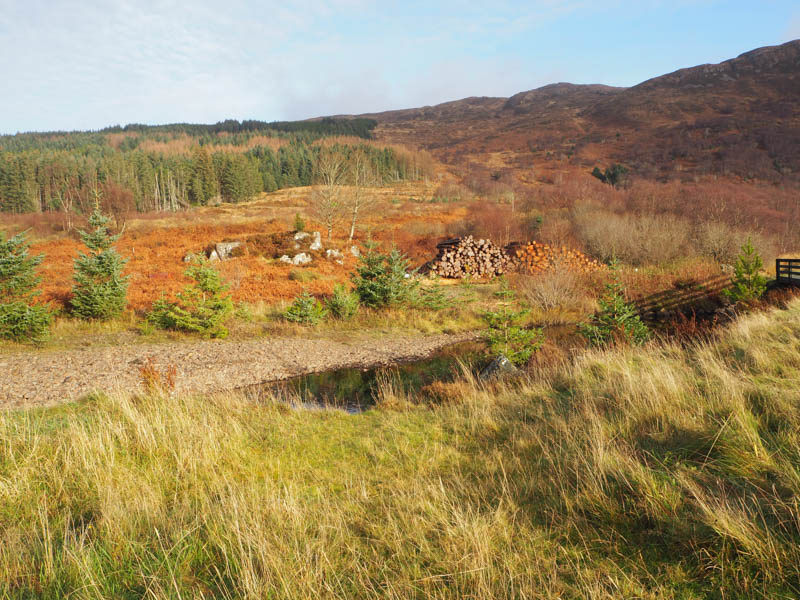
<point x="468" y="257"/>
<point x="534" y="257"/>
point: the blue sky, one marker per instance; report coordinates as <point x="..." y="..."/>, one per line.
<point x="86" y="64"/>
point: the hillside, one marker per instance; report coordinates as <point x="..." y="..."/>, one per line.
<point x="737" y="118"/>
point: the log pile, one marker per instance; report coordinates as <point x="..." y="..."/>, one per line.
<point x="468" y="257"/>
<point x="534" y="257"/>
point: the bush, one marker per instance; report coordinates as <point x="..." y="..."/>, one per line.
<point x="302" y="275"/>
<point x="200" y="308"/>
<point x="305" y="309"/>
<point x="19" y="321"/>
<point x="100" y="289"/>
<point x="506" y="335"/>
<point x="299" y="223"/>
<point x="431" y="298"/>
<point x="634" y="239"/>
<point x="343" y="304"/>
<point x="719" y="241"/>
<point x="617" y="320"/>
<point x="748" y="282"/>
<point x="384" y="280"/>
<point x="554" y="288"/>
<point x="24" y="323"/>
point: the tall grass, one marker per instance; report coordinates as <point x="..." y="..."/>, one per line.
<point x="658" y="472"/>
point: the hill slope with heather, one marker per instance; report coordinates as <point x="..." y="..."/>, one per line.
<point x="739" y="118"/>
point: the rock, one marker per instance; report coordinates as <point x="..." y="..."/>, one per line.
<point x="192" y="257"/>
<point x="355" y="251"/>
<point x="285" y="258"/>
<point x="224" y="249"/>
<point x="317" y="243"/>
<point x="301" y="259"/>
<point x="330" y="253"/>
<point x="499" y="367"/>
<point x="301" y="235"/>
<point x="213" y="256"/>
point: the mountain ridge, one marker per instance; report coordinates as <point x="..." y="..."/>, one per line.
<point x="739" y="117"/>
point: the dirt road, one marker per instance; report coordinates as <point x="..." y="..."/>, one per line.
<point x="47" y="378"/>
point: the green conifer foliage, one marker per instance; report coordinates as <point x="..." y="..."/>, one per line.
<point x="617" y="319"/>
<point x="200" y="308"/>
<point x="385" y="280"/>
<point x="19" y="320"/>
<point x="748" y="282"/>
<point x="100" y="289"/>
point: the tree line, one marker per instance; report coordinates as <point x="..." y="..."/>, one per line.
<point x="61" y="172"/>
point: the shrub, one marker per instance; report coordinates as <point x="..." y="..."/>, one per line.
<point x="299" y="223"/>
<point x="554" y="288"/>
<point x="617" y="320"/>
<point x="157" y="381"/>
<point x="634" y="239"/>
<point x="506" y="335"/>
<point x="100" y="289"/>
<point x="19" y="320"/>
<point x="305" y="309"/>
<point x="200" y="307"/>
<point x="302" y="275"/>
<point x="431" y="298"/>
<point x="615" y="175"/>
<point x="343" y="304"/>
<point x="748" y="282"/>
<point x="22" y="322"/>
<point x="383" y="279"/>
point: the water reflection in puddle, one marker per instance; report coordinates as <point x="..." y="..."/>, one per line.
<point x="355" y="390"/>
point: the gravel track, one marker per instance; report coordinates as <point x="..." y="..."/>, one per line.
<point x="48" y="378"/>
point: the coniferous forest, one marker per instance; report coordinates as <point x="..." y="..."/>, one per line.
<point x="166" y="167"/>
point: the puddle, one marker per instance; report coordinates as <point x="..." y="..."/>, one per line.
<point x="354" y="389"/>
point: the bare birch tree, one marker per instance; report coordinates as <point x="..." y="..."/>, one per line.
<point x="362" y="175"/>
<point x="327" y="199"/>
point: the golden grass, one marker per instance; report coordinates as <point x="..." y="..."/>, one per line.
<point x="658" y="472"/>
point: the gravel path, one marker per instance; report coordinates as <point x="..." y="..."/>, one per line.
<point x="44" y="379"/>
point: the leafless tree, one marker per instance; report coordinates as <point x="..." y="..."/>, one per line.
<point x="328" y="203"/>
<point x="361" y="175"/>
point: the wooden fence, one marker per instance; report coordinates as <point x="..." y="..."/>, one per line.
<point x="685" y="297"/>
<point x="787" y="270"/>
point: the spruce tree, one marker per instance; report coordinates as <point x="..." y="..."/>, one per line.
<point x="202" y="307"/>
<point x="19" y="319"/>
<point x="617" y="321"/>
<point x="748" y="282"/>
<point x="100" y="288"/>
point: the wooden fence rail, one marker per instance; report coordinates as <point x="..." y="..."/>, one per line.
<point x="684" y="297"/>
<point x="787" y="270"/>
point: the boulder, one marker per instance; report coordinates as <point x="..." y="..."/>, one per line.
<point x="213" y="256"/>
<point x="316" y="244"/>
<point x="285" y="258"/>
<point x="192" y="257"/>
<point x="499" y="367"/>
<point x="225" y="249"/>
<point x="332" y="254"/>
<point x="301" y="235"/>
<point x="355" y="251"/>
<point x="301" y="259"/>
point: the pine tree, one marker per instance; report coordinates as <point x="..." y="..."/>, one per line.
<point x="748" y="282"/>
<point x="200" y="308"/>
<point x="617" y="319"/>
<point x="100" y="289"/>
<point x="19" y="319"/>
<point x="204" y="180"/>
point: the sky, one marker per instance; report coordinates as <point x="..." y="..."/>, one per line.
<point x="88" y="64"/>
